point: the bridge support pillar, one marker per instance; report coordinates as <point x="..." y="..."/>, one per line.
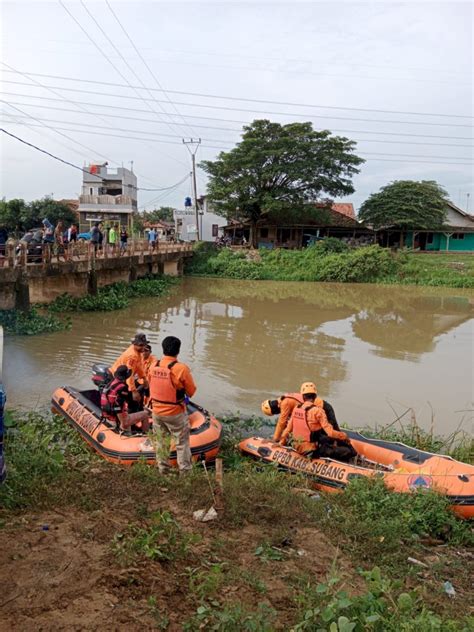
<point x="171" y="268"/>
<point x="22" y="293"/>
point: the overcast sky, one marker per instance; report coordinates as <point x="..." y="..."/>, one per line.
<point x="333" y="62"/>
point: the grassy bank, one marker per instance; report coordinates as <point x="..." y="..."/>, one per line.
<point x="331" y="260"/>
<point x="277" y="557"/>
<point x="52" y="317"/>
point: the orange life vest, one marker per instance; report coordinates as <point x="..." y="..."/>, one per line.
<point x="162" y="389"/>
<point x="296" y="396"/>
<point x="301" y="429"/>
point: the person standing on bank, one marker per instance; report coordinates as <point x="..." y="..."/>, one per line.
<point x="170" y="383"/>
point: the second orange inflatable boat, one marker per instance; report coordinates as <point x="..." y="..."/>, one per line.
<point x="403" y="468"/>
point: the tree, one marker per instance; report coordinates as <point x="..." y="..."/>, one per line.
<point x="406" y="204"/>
<point x="17" y="215"/>
<point x="162" y="214"/>
<point x="280" y="170"/>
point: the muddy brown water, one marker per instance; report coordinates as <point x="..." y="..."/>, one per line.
<point x="373" y="351"/>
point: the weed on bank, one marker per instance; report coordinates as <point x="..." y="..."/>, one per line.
<point x="331" y="260"/>
<point x="54" y="317"/>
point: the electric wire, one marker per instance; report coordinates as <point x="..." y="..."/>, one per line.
<point x="63" y="98"/>
<point x="117" y="50"/>
<point x="101" y="52"/>
<point x="70" y="164"/>
<point x="211" y="118"/>
<point x="272" y="102"/>
<point x="224" y="141"/>
<point x="146" y="64"/>
<point x="229" y="129"/>
<point x="445" y="161"/>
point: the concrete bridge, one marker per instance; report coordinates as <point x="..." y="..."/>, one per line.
<point x="27" y="278"/>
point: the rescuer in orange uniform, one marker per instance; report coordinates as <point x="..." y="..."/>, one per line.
<point x="285" y="405"/>
<point x="312" y="433"/>
<point x="148" y="361"/>
<point x="132" y="358"/>
<point x="170" y="383"/>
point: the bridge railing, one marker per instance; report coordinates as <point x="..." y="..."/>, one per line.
<point x="21" y="254"/>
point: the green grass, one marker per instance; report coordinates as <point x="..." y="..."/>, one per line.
<point x="327" y="262"/>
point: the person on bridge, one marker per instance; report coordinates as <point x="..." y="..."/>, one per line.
<point x="112" y="239"/>
<point x="285" y="405"/>
<point x="311" y="431"/>
<point x="132" y="358"/>
<point x="152" y="239"/>
<point x="171" y="383"/>
<point x="114" y="403"/>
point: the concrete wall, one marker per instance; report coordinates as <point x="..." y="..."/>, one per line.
<point x="42" y="284"/>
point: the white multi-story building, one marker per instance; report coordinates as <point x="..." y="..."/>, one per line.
<point x="108" y="195"/>
<point x="211" y="225"/>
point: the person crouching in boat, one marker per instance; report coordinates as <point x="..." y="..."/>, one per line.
<point x="311" y="431"/>
<point x="114" y="403"/>
<point x="285" y="405"/>
<point x="132" y="358"/>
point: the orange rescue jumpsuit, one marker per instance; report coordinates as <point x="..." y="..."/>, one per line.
<point x="307" y="418"/>
<point x="134" y="361"/>
<point x="288" y="403"/>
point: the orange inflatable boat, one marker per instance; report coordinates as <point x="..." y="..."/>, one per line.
<point x="81" y="409"/>
<point x="403" y="469"/>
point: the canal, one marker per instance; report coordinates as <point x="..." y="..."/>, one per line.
<point x="373" y="351"/>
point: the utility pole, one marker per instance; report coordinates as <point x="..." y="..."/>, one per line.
<point x="192" y="146"/>
<point x="468" y="195"/>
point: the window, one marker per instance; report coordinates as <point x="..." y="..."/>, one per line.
<point x="91" y="191"/>
<point x="429" y="238"/>
<point x="458" y="236"/>
<point x="215" y="230"/>
<point x="264" y="233"/>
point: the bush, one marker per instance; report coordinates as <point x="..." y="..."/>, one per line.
<point x="30" y="323"/>
<point x="330" y="245"/>
<point x="112" y="297"/>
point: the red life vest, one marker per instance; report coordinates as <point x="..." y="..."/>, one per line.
<point x="162" y="389"/>
<point x="109" y="399"/>
<point x="301" y="429"/>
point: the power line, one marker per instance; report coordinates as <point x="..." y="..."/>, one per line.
<point x="310" y="116"/>
<point x="213" y="140"/>
<point x="249" y="100"/>
<point x="70" y="164"/>
<point x="62" y="98"/>
<point x="208" y="118"/>
<point x="117" y="50"/>
<point x="223" y="148"/>
<point x="144" y="61"/>
<point x="101" y="52"/>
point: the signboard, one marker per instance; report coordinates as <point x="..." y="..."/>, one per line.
<point x="98" y="217"/>
<point x="178" y="213"/>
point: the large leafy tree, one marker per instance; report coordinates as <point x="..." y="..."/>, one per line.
<point x="162" y="214"/>
<point x="17" y="215"/>
<point x="406" y="204"/>
<point x="280" y="170"/>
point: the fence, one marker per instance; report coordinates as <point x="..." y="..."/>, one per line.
<point x="21" y="254"/>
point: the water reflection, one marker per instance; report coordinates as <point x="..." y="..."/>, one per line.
<point x="362" y="344"/>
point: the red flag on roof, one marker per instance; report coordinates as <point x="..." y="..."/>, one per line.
<point x="94" y="168"/>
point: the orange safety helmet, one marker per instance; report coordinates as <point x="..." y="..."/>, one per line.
<point x="271" y="407"/>
<point x="308" y="388"/>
